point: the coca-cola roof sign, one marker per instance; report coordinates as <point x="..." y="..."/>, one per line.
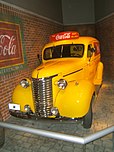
<point x="64" y="36"/>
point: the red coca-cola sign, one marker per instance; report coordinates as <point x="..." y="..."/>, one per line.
<point x="64" y="36"/>
<point x="11" y="52"/>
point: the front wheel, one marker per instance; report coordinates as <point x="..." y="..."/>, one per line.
<point x="87" y="119"/>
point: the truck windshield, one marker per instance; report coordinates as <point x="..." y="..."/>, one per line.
<point x="64" y="51"/>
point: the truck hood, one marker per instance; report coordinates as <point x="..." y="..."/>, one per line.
<point x="57" y="66"/>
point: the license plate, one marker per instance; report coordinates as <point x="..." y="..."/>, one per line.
<point x="14" y="106"/>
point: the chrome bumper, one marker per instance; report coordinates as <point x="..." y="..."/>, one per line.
<point x="20" y="114"/>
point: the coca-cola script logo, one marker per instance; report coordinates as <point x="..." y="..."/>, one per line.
<point x="11" y="52"/>
<point x="64" y="36"/>
<point x="7" y="45"/>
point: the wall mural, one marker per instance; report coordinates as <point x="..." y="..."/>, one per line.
<point x="12" y="49"/>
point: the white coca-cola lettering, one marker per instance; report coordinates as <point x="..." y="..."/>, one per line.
<point x="7" y="46"/>
<point x="62" y="36"/>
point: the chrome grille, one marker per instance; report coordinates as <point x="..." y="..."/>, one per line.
<point x="42" y="93"/>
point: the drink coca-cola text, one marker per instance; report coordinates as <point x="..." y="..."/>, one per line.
<point x="7" y="45"/>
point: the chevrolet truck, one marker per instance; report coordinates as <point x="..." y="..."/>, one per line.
<point x="64" y="84"/>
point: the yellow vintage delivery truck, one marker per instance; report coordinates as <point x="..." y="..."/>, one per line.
<point x="64" y="84"/>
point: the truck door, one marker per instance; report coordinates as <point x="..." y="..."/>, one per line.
<point x="93" y="59"/>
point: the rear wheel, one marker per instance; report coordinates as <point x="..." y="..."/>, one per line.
<point x="87" y="119"/>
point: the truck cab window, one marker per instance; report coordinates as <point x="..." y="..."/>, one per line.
<point x="89" y="51"/>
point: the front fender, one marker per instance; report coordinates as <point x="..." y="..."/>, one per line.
<point x="75" y="100"/>
<point x="23" y="96"/>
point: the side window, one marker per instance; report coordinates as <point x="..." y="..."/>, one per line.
<point x="89" y="52"/>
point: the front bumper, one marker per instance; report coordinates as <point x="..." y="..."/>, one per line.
<point x="20" y="114"/>
<point x="15" y="110"/>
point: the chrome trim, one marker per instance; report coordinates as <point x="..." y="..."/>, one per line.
<point x="72" y="72"/>
<point x="42" y="94"/>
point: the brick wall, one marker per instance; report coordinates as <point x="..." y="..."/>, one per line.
<point x="36" y="34"/>
<point x="84" y="30"/>
<point x="105" y="33"/>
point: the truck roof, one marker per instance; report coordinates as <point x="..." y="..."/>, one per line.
<point x="79" y="40"/>
<point x="69" y="37"/>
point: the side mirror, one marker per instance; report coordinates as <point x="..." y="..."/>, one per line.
<point x="92" y="50"/>
<point x="39" y="58"/>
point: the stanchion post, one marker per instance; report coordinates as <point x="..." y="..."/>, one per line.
<point x="113" y="141"/>
<point x="84" y="148"/>
<point x="2" y="133"/>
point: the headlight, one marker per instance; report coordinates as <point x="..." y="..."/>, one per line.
<point x="62" y="84"/>
<point x="24" y="83"/>
<point x="54" y="111"/>
<point x="27" y="108"/>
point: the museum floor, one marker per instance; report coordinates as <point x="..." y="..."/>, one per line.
<point x="17" y="141"/>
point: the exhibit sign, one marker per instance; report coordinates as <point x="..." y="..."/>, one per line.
<point x="12" y="49"/>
